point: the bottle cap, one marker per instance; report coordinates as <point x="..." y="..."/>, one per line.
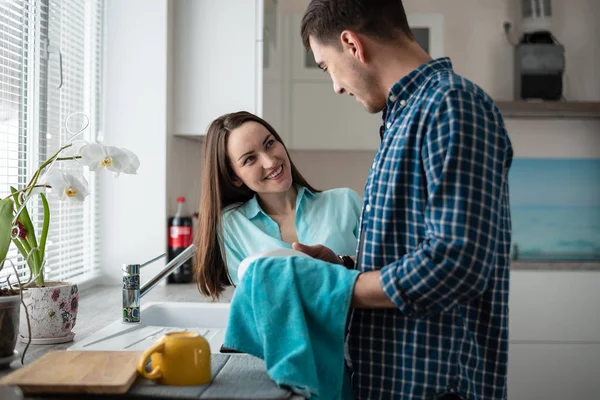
<point x="181" y="199"/>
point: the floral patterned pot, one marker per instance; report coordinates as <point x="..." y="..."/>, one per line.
<point x="52" y="313"/>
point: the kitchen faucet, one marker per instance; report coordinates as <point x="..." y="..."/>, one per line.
<point x="132" y="292"/>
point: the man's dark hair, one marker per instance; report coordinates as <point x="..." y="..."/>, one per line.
<point x="325" y="20"/>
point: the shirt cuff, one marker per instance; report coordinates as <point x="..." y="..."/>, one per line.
<point x="390" y="283"/>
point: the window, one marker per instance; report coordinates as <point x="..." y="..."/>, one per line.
<point x="50" y="68"/>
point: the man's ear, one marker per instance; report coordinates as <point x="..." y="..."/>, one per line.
<point x="353" y="43"/>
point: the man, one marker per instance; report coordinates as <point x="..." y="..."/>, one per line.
<point x="430" y="316"/>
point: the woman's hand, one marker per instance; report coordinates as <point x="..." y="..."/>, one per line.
<point x="318" y="251"/>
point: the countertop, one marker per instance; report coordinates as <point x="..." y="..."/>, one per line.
<point x="554" y="265"/>
<point x="101" y="305"/>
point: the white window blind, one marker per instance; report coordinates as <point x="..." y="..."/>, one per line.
<point x="51" y="57"/>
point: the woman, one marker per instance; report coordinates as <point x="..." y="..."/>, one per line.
<point x="254" y="199"/>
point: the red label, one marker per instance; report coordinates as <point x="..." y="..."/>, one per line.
<point x="180" y="236"/>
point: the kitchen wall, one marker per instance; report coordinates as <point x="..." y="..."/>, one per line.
<point x="530" y="138"/>
<point x="474" y="39"/>
<point x="133" y="208"/>
<point x="486" y="58"/>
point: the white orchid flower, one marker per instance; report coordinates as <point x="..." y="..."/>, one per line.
<point x="133" y="163"/>
<point x="96" y="155"/>
<point x="67" y="186"/>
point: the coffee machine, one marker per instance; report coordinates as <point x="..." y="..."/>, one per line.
<point x="539" y="58"/>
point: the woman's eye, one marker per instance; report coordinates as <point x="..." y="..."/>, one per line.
<point x="248" y="160"/>
<point x="270" y="143"/>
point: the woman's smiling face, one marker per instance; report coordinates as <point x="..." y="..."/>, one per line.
<point x="258" y="160"/>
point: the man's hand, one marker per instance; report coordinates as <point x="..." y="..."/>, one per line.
<point x="318" y="251"/>
<point x="367" y="290"/>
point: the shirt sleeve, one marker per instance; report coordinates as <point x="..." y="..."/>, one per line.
<point x="356" y="203"/>
<point x="463" y="155"/>
<point x="233" y="256"/>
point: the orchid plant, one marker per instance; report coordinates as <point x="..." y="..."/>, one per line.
<point x="51" y="178"/>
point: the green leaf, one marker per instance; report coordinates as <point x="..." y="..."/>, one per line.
<point x="6" y="216"/>
<point x="34" y="261"/>
<point x="45" y="227"/>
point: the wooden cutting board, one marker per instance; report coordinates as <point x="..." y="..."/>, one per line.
<point x="64" y="371"/>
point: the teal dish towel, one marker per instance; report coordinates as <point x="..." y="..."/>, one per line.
<point x="291" y="312"/>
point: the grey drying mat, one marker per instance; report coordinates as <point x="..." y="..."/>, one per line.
<point x="238" y="376"/>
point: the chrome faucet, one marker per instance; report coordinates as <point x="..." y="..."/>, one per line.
<point x="132" y="292"/>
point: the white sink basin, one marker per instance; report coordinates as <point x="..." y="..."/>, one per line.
<point x="208" y="319"/>
<point x="186" y="315"/>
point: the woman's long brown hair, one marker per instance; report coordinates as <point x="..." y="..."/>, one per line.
<point x="217" y="192"/>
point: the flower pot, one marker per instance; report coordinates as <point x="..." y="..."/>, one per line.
<point x="52" y="313"/>
<point x="9" y="328"/>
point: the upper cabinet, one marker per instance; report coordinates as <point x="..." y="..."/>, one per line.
<point x="217" y="50"/>
<point x="323" y="120"/>
<point x="429" y="32"/>
<point x="232" y="55"/>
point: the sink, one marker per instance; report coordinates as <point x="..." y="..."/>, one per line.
<point x="157" y="319"/>
<point x="186" y="315"/>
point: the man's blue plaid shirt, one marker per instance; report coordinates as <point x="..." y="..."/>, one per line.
<point x="436" y="222"/>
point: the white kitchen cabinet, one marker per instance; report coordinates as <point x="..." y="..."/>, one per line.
<point x="275" y="33"/>
<point x="273" y="108"/>
<point x="223" y="61"/>
<point x="554" y="306"/>
<point x="554" y="371"/>
<point x="554" y="348"/>
<point x="428" y="30"/>
<point x="317" y="117"/>
<point x="321" y="119"/>
<point x="302" y="62"/>
<point x="275" y="73"/>
<point x="217" y="61"/>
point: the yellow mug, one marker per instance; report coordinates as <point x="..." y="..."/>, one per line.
<point x="179" y="359"/>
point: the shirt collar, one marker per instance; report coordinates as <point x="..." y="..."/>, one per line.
<point x="252" y="208"/>
<point x="409" y="84"/>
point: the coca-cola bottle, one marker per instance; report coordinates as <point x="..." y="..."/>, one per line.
<point x="180" y="237"/>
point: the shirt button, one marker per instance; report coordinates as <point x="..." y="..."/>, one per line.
<point x="388" y="124"/>
<point x="393" y="98"/>
<point x="368" y="208"/>
<point x="373" y="165"/>
<point x="402" y="102"/>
